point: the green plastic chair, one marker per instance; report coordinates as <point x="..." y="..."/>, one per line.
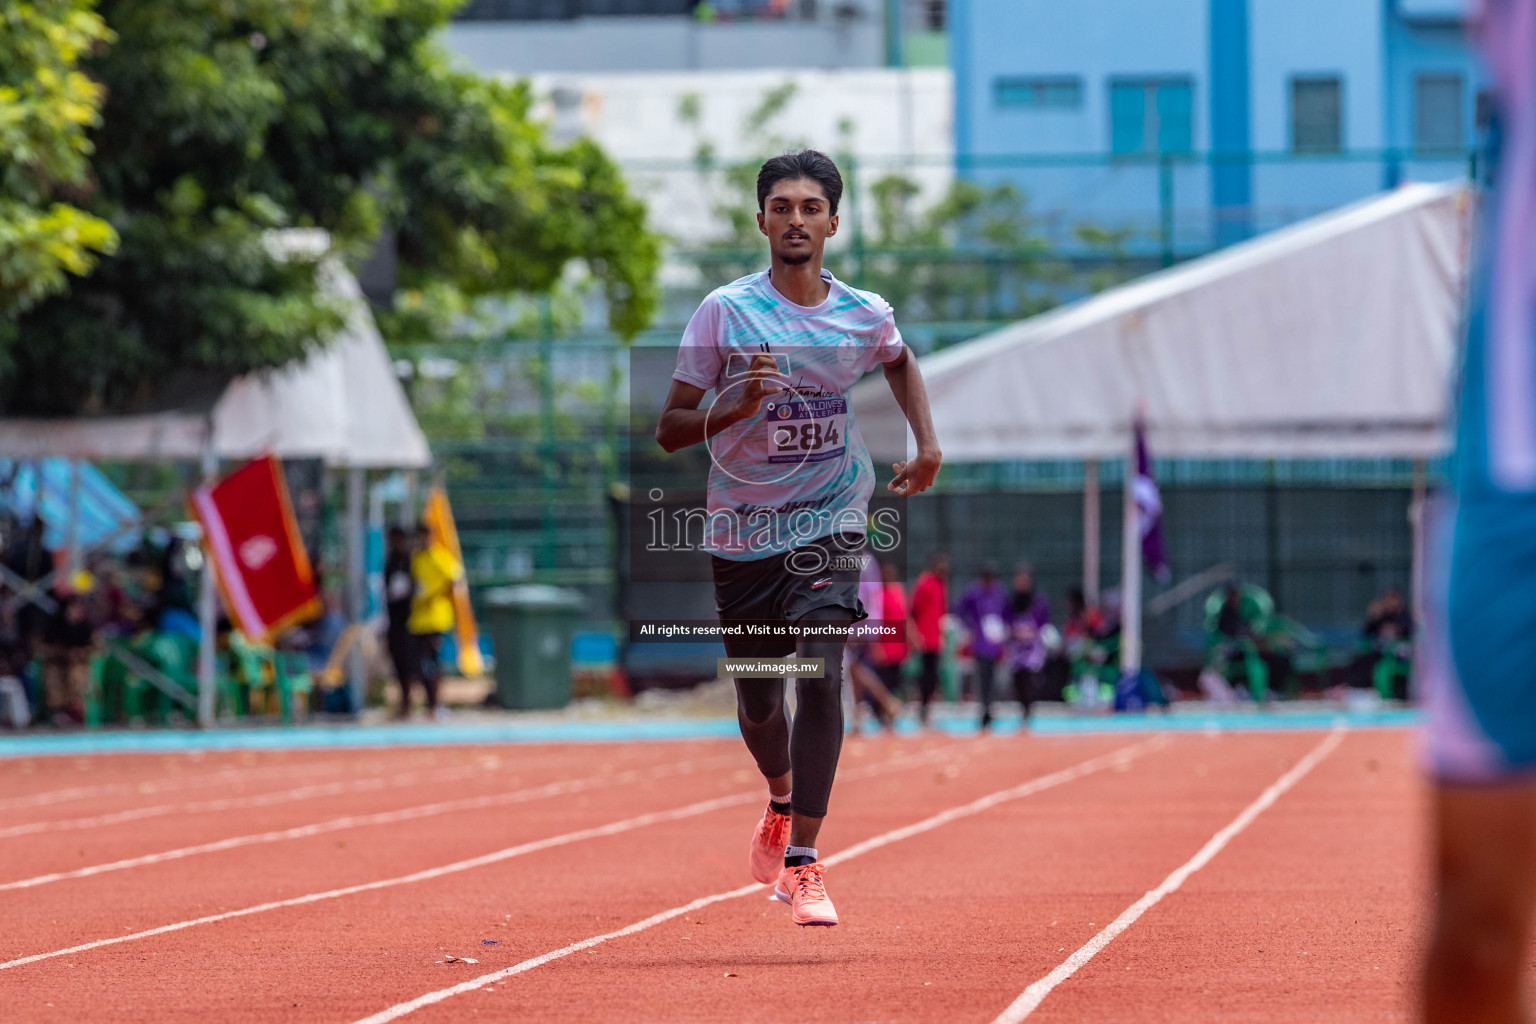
<point x="1394" y="664"/>
<point x="1094" y="663"/>
<point x="106" y="690"/>
<point x="251" y="670"/>
<point x="1309" y="654"/>
<point x="95" y="693"/>
<point x="174" y="655"/>
<point x="294" y="681"/>
<point x="1239" y="656"/>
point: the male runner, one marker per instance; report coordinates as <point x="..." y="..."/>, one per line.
<point x="789" y="488"/>
<point x="1480" y="649"/>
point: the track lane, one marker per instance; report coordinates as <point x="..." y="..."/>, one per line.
<point x="258" y="779"/>
<point x="337" y="956"/>
<point x="972" y="909"/>
<point x="56" y="849"/>
<point x="151" y="896"/>
<point x="67" y="913"/>
<point x="1312" y="914"/>
<point x="968" y="909"/>
<point x="44" y="781"/>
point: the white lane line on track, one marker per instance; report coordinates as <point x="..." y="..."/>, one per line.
<point x="268" y="799"/>
<point x="222" y="776"/>
<point x="471" y="803"/>
<point x="565" y="839"/>
<point x="237" y="802"/>
<point x="1122" y="756"/>
<point x="1035" y="994"/>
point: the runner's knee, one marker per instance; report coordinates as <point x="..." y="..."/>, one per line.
<point x="827" y="688"/>
<point x="827" y="648"/>
<point x="758" y="700"/>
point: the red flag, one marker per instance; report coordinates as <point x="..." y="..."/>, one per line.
<point x="259" y="559"/>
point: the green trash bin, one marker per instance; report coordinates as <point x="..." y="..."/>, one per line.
<point x="531" y="627"/>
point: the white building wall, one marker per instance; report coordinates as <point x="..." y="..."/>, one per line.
<point x="664" y="44"/>
<point x="889" y="119"/>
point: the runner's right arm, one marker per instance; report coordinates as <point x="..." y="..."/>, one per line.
<point x="683" y="423"/>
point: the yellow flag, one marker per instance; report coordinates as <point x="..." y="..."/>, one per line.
<point x="439" y="519"/>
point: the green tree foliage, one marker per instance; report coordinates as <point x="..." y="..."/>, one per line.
<point x="224" y="122"/>
<point x="46" y="108"/>
<point x="732" y="187"/>
<point x="975" y="253"/>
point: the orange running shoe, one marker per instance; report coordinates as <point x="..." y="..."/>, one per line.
<point x="805" y="891"/>
<point x="768" y="842"/>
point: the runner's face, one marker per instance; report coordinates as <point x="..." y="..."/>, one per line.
<point x="797" y="219"/>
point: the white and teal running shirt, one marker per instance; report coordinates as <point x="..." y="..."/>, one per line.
<point x="798" y="470"/>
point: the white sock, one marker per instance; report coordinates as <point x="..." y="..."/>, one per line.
<point x="780" y="799"/>
<point x="801" y="851"/>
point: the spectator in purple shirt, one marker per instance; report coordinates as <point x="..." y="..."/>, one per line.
<point x="984" y="610"/>
<point x="1029" y="613"/>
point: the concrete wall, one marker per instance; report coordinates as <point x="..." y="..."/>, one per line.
<point x="603" y="45"/>
<point x="889" y="119"/>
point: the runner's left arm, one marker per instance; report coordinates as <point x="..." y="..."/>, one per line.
<point x="915" y="475"/>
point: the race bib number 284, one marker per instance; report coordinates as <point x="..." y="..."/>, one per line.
<point x="808" y="430"/>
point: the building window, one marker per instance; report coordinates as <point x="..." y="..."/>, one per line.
<point x="1482" y="112"/>
<point x="924" y="15"/>
<point x="1151" y="115"/>
<point x="1059" y="93"/>
<point x="1317" y="124"/>
<point x="568" y="10"/>
<point x="1437" y="111"/>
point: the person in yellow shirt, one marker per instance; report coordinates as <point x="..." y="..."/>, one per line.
<point x="434" y="572"/>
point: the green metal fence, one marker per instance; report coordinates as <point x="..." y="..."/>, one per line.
<point x="530" y="434"/>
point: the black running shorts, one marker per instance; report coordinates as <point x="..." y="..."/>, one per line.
<point x="783" y="588"/>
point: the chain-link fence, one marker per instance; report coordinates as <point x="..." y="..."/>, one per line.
<point x="547" y="418"/>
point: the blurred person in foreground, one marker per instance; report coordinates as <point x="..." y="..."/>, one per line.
<point x="1386" y="647"/>
<point x="862" y="659"/>
<point x="29" y="558"/>
<point x="890" y="653"/>
<point x="788" y="494"/>
<point x="399" y="595"/>
<point x="69" y="640"/>
<point x="930" y="603"/>
<point x="984" y="610"/>
<point x="434" y="573"/>
<point x="1478" y="650"/>
<point x="1029" y="633"/>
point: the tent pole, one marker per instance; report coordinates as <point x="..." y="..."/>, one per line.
<point x="1091" y="531"/>
<point x="1416" y="509"/>
<point x="1130" y="585"/>
<point x="72" y="534"/>
<point x="207" y="601"/>
<point x="356" y="583"/>
<point x="408" y="504"/>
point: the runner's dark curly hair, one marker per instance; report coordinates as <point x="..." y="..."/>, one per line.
<point x="808" y="163"/>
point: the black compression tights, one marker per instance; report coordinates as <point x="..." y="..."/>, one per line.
<point x="810" y="745"/>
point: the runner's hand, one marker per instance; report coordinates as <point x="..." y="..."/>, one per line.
<point x="915" y="475"/>
<point x="763" y="369"/>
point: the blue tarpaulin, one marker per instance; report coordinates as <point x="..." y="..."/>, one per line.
<point x="33" y="485"/>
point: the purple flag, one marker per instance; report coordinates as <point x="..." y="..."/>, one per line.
<point x="1149" y="510"/>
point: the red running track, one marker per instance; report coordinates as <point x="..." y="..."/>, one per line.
<point x="970" y="870"/>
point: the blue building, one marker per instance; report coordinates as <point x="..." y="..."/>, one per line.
<point x="1193" y="123"/>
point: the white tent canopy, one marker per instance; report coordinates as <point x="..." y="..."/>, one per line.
<point x="342" y="405"/>
<point x="1332" y="338"/>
